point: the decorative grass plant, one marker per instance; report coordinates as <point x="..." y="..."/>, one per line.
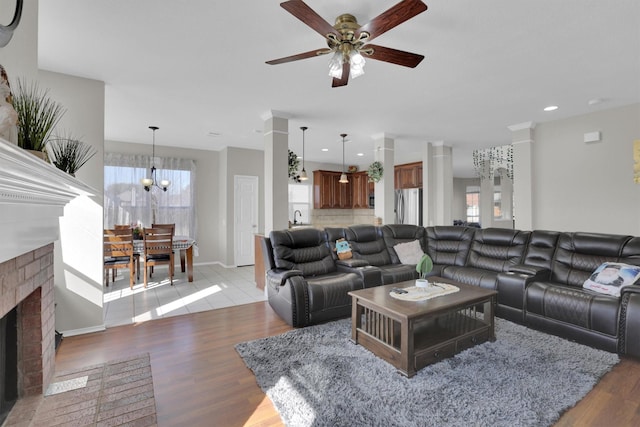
<point x="38" y="115"/>
<point x="69" y="154"/>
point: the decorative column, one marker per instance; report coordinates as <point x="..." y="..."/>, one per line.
<point x="384" y="203"/>
<point x="522" y="140"/>
<point x="440" y="185"/>
<point x="276" y="157"/>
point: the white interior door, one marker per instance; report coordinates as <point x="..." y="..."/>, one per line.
<point x="246" y="218"/>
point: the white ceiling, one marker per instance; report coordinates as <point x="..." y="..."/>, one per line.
<point x="193" y="67"/>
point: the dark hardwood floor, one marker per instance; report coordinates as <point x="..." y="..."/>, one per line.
<point x="199" y="379"/>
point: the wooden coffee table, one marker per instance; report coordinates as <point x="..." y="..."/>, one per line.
<point x="413" y="334"/>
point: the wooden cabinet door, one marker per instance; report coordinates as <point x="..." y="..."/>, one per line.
<point x="397" y="178"/>
<point x="329" y="192"/>
<point x="359" y="190"/>
<point x="342" y="192"/>
<point x="408" y="175"/>
<point x="323" y="190"/>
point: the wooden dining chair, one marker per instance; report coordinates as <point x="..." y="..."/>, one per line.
<point x="158" y="249"/>
<point x="136" y="256"/>
<point x="172" y="227"/>
<point x="118" y="253"/>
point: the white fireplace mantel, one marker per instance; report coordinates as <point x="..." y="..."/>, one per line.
<point x="33" y="194"/>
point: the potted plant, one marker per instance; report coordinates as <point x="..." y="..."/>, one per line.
<point x="294" y="162"/>
<point x="38" y="115"/>
<point x="424" y="267"/>
<point x="375" y="171"/>
<point x="69" y="154"/>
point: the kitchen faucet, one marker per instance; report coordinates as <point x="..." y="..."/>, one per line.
<point x="294" y="216"/>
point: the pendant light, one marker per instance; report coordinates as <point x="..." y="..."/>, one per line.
<point x="151" y="181"/>
<point x="303" y="173"/>
<point x="343" y="177"/>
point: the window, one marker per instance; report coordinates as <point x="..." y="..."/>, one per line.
<point x="299" y="200"/>
<point x="126" y="201"/>
<point x="473" y="204"/>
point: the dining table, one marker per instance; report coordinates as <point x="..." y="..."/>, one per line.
<point x="186" y="245"/>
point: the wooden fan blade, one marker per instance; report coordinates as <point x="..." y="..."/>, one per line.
<point x="346" y="68"/>
<point x="394" y="56"/>
<point x="300" y="10"/>
<point x="398" y="14"/>
<point x="305" y="55"/>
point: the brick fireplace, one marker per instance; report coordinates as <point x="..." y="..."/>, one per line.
<point x="27" y="284"/>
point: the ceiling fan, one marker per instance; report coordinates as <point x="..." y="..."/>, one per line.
<point x="349" y="41"/>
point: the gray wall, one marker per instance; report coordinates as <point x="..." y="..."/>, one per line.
<point x="78" y="253"/>
<point x="237" y="161"/>
<point x="580" y="186"/>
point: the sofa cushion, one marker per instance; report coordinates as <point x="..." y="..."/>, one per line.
<point x="449" y="245"/>
<point x="394" y="234"/>
<point x="579" y="307"/>
<point x="471" y="276"/>
<point x="367" y="243"/>
<point x="395" y="273"/>
<point x="306" y="250"/>
<point x="610" y="277"/>
<point x="409" y="252"/>
<point x="579" y="254"/>
<point x="495" y="249"/>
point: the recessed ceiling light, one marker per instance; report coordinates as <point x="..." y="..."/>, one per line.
<point x="325" y="149"/>
<point x="360" y="154"/>
<point x="551" y="108"/>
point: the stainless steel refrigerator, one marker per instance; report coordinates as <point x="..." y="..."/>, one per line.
<point x="408" y="206"/>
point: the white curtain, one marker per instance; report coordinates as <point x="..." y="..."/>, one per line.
<point x="127" y="202"/>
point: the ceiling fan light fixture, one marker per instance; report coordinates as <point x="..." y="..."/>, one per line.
<point x="357" y="63"/>
<point x="335" y="65"/>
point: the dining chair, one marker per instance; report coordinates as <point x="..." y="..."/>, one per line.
<point x="136" y="256"/>
<point x="158" y="249"/>
<point x="118" y="253"/>
<point x="172" y="227"/>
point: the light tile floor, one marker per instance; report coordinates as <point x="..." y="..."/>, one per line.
<point x="213" y="287"/>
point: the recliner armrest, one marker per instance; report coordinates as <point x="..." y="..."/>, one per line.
<point x="280" y="276"/>
<point x="352" y="263"/>
<point x="542" y="273"/>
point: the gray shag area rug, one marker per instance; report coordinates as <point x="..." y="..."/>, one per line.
<point x="317" y="377"/>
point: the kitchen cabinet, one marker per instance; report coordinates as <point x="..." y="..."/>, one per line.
<point x="408" y="175"/>
<point x="329" y="193"/>
<point x="359" y="190"/>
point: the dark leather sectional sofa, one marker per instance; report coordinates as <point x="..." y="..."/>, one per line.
<point x="538" y="275"/>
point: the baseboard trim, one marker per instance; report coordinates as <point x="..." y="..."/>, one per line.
<point x="216" y="263"/>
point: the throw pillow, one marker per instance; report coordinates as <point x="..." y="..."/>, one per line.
<point x="343" y="249"/>
<point x="409" y="252"/>
<point x="609" y="278"/>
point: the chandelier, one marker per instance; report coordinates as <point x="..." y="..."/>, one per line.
<point x="151" y="182"/>
<point x="486" y="161"/>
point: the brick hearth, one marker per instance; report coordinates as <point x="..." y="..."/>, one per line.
<point x="26" y="282"/>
